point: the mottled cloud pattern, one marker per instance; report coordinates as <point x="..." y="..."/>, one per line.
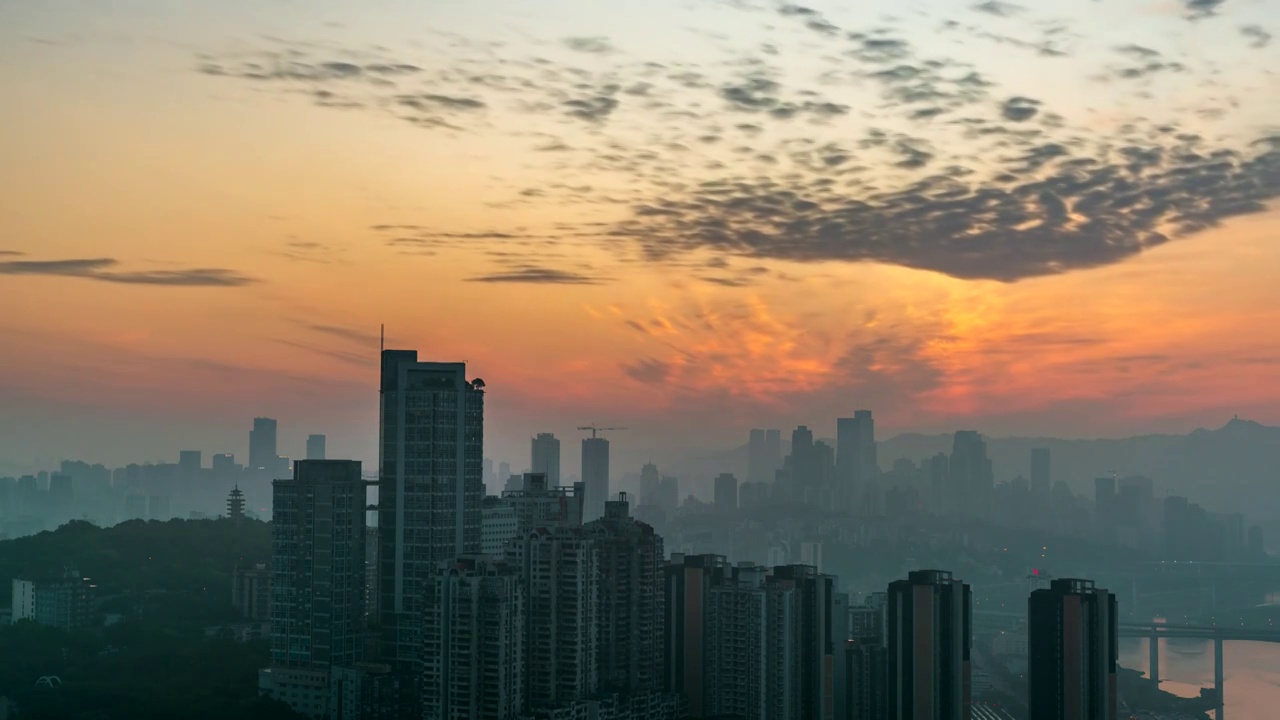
<point x="884" y="152"/>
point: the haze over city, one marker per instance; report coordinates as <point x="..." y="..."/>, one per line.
<point x="663" y="360"/>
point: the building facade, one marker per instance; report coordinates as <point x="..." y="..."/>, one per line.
<point x="473" y="642"/>
<point x="595" y="475"/>
<point x="929" y="625"/>
<point x="545" y="456"/>
<point x="317" y="566"/>
<point x="430" y="488"/>
<point x="1072" y="651"/>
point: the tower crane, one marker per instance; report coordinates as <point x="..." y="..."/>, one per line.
<point x="594" y="430"/>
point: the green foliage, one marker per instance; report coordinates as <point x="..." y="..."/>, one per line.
<point x="180" y="569"/>
<point x="170" y="580"/>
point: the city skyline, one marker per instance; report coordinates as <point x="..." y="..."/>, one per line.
<point x="253" y="279"/>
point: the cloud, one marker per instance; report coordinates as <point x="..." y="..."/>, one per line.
<point x="425" y="100"/>
<point x="11" y="253"/>
<point x="1019" y="109"/>
<point x="1053" y="212"/>
<point x="357" y="336"/>
<point x="97" y="269"/>
<point x="1200" y="9"/>
<point x="1261" y="38"/>
<point x="537" y="276"/>
<point x="1137" y="52"/>
<point x="593" y="45"/>
<point x="592" y="109"/>
<point x="650" y="371"/>
<point x="1000" y="9"/>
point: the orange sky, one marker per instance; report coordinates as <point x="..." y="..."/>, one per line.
<point x="117" y="148"/>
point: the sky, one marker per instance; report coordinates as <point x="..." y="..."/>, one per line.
<point x="685" y="217"/>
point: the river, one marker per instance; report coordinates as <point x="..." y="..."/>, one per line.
<point x="1251" y="672"/>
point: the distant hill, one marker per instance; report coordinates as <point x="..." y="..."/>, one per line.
<point x="1235" y="468"/>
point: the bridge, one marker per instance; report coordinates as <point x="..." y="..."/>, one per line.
<point x="1153" y="632"/>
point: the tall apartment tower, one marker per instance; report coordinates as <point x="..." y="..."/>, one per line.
<point x="856" y="462"/>
<point x="650" y="484"/>
<point x="560" y="570"/>
<point x="316" y="447"/>
<point x="262" y="445"/>
<point x="473" y="642"/>
<point x="595" y="474"/>
<point x="866" y="662"/>
<point x="546" y="457"/>
<point x="759" y="469"/>
<point x="726" y="493"/>
<point x="631" y="561"/>
<point x="317" y="565"/>
<point x="929" y="635"/>
<point x="742" y="641"/>
<point x="430" y="488"/>
<point x="1041" y="481"/>
<point x="1072" y="651"/>
<point x="800" y="604"/>
<point x="970" y="472"/>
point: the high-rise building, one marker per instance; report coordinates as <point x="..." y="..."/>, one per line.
<point x="726" y="493"/>
<point x="772" y="452"/>
<point x="940" y="490"/>
<point x="866" y="661"/>
<point x="317" y="565"/>
<point x="969" y="473"/>
<point x="759" y="469"/>
<point x="497" y="526"/>
<point x="189" y="462"/>
<point x="262" y="445"/>
<point x="1072" y="651"/>
<point x="1041" y="480"/>
<point x="316" y="447"/>
<point x="560" y="571"/>
<point x="856" y="463"/>
<point x="746" y="642"/>
<point x="546" y="457"/>
<point x="1104" y="497"/>
<point x="929" y="627"/>
<point x="631" y="561"/>
<point x="535" y="504"/>
<point x="650" y="480"/>
<point x="473" y="642"/>
<point x="801" y="651"/>
<point x="430" y="488"/>
<point x="595" y="474"/>
<point x="802" y="465"/>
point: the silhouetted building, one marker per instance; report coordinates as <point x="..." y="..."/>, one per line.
<point x="251" y="591"/>
<point x="631" y="561"/>
<point x="430" y="488"/>
<point x="262" y="445"/>
<point x="473" y="642"/>
<point x="929" y="618"/>
<point x="1041" y="479"/>
<point x="536" y="504"/>
<point x="189" y="463"/>
<point x="650" y="481"/>
<point x="546" y="457"/>
<point x="749" y="643"/>
<point x="726" y="493"/>
<point x="856" y="463"/>
<point x="317" y="565"/>
<point x="970" y="474"/>
<point x="595" y="475"/>
<point x="940" y="492"/>
<point x="1072" y="652"/>
<point x="866" y="666"/>
<point x="801" y="461"/>
<point x="316" y="447"/>
<point x="235" y="504"/>
<point x="1104" y="496"/>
